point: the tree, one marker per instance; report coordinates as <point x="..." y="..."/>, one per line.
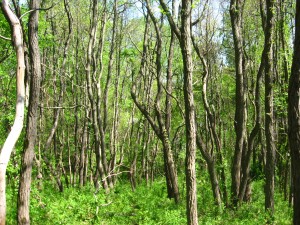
<point x="294" y="119"/>
<point x="32" y="116"/>
<point x="184" y="36"/>
<point x="269" y="114"/>
<point x="17" y="38"/>
<point x="236" y="13"/>
<point x="208" y="155"/>
<point x="160" y="128"/>
<point x="95" y="105"/>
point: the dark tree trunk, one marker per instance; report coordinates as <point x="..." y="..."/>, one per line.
<point x="236" y="12"/>
<point x="294" y="119"/>
<point x="32" y="117"/>
<point x="269" y="117"/>
<point x="159" y="129"/>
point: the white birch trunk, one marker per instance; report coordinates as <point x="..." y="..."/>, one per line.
<point x="16" y="129"/>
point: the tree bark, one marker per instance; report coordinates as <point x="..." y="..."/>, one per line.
<point x="294" y="119"/>
<point x="17" y="37"/>
<point x="269" y="123"/>
<point x="208" y="156"/>
<point x="190" y="124"/>
<point x="256" y="131"/>
<point x="184" y="36"/>
<point x="95" y="106"/>
<point x="236" y="11"/>
<point x="32" y="117"/>
<point x="171" y="173"/>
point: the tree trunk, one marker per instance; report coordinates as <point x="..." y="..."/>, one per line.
<point x="269" y="123"/>
<point x="32" y="117"/>
<point x="17" y="37"/>
<point x="207" y="155"/>
<point x="90" y="70"/>
<point x="294" y="119"/>
<point x="171" y="173"/>
<point x="83" y="148"/>
<point x="190" y="125"/>
<point x="184" y="36"/>
<point x="236" y="11"/>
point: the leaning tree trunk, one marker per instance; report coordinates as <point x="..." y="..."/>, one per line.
<point x="294" y="119"/>
<point x="32" y="117"/>
<point x="16" y="129"/>
<point x="171" y="174"/>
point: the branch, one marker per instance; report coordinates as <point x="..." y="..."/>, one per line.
<point x="170" y="19"/>
<point x="40" y="9"/>
<point x="59" y="107"/>
<point x="177" y="101"/>
<point x="201" y="14"/>
<point x="144" y="111"/>
<point x="136" y="47"/>
<point x="5" y="38"/>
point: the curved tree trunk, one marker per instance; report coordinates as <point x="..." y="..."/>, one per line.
<point x="171" y="173"/>
<point x="207" y="155"/>
<point x="16" y="129"/>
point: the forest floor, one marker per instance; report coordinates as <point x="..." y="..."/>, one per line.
<point x="146" y="205"/>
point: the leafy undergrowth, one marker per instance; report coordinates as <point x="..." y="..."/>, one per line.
<point x="147" y="205"/>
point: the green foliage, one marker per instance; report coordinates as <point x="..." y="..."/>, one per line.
<point x="147" y="205"/>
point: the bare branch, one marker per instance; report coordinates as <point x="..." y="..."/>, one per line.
<point x="40" y="9"/>
<point x="170" y="19"/>
<point x="5" y="38"/>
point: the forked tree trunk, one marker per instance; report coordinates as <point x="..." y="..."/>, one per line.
<point x="95" y="105"/>
<point x="255" y="132"/>
<point x="209" y="156"/>
<point x="16" y="129"/>
<point x="170" y="168"/>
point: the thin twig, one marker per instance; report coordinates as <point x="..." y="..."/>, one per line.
<point x="59" y="107"/>
<point x="5" y="38"/>
<point x="40" y="9"/>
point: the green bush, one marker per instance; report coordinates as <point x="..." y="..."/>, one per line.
<point x="146" y="205"/>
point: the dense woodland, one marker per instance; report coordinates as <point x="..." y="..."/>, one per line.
<point x="150" y="112"/>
